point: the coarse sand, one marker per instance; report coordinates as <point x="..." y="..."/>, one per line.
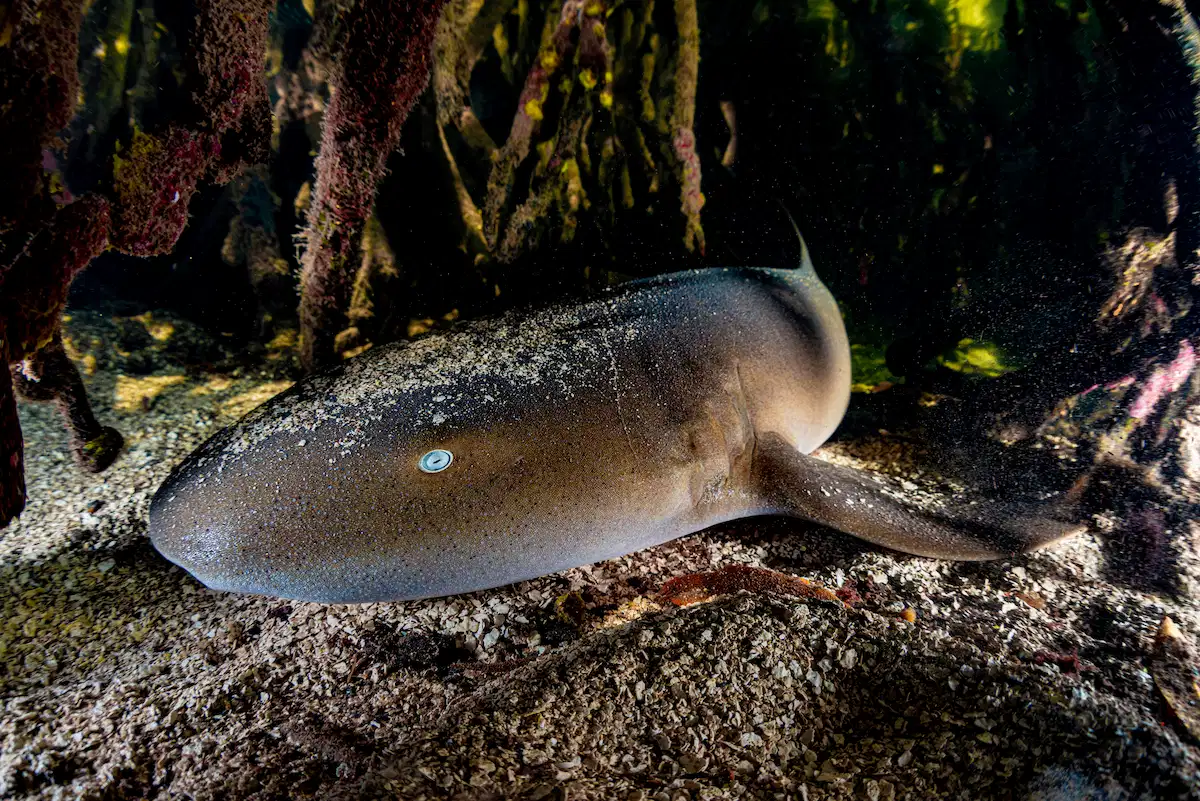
<point x="122" y="677"/>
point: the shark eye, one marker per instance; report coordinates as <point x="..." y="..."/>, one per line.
<point x="436" y="461"/>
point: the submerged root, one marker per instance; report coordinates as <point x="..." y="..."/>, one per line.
<point x="384" y="66"/>
<point x="602" y="92"/>
<point x="50" y="376"/>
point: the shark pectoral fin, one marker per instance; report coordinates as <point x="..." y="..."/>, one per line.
<point x="851" y="502"/>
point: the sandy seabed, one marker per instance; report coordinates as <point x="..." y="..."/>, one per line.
<point x="122" y="677"/>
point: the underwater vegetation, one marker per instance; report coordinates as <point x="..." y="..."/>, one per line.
<point x="1002" y="194"/>
<point x="48" y="236"/>
<point x="378" y="63"/>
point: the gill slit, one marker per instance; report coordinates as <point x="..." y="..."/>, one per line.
<point x="762" y="500"/>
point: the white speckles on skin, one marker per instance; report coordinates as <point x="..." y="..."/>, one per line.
<point x="515" y="350"/>
<point x="615" y="378"/>
<point x="725" y="494"/>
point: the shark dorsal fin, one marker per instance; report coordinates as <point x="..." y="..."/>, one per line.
<point x="806" y="263"/>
